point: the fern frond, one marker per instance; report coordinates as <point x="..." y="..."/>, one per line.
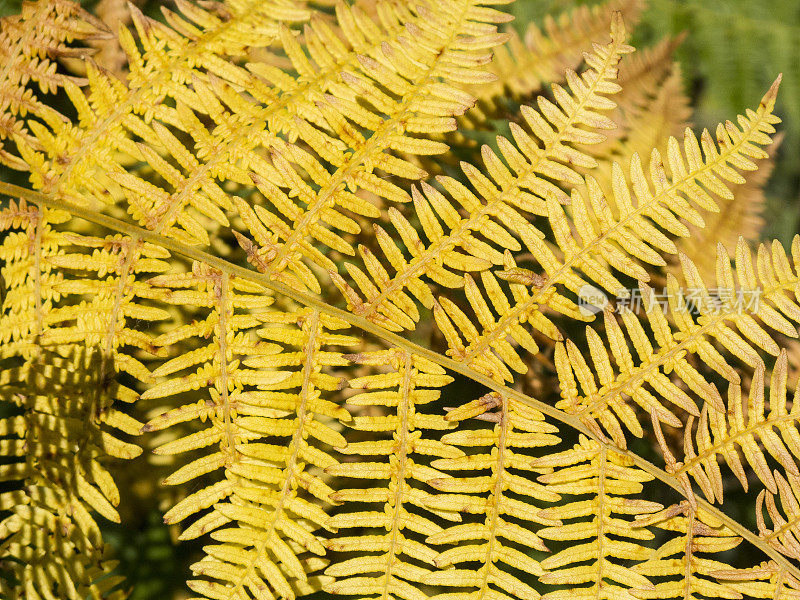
<point x="56" y="446"/>
<point x="651" y="85"/>
<point x="595" y="246"/>
<point x="404" y="95"/>
<point x="598" y="529"/>
<point x="29" y="44"/>
<point x="500" y="211"/>
<point x="270" y="429"/>
<point x="499" y="491"/>
<point x="739" y="216"/>
<point x="385" y="549"/>
<point x="767" y="580"/>
<point x="746" y="426"/>
<point x="683" y="565"/>
<point x="733" y="319"/>
<point x="525" y="65"/>
<point x="785" y="531"/>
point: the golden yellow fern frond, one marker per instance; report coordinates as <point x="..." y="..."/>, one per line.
<point x="455" y="227"/>
<point x="602" y="242"/>
<point x="29" y="44"/>
<point x="406" y="90"/>
<point x="738" y="216"/>
<point x="686" y="322"/>
<point x="745" y="425"/>
<point x="57" y="445"/>
<point x="784" y="533"/>
<point x="382" y="542"/>
<point x="767" y="580"/>
<point x="494" y="491"/>
<point x="652" y="85"/>
<point x="525" y="65"/>
<point x="684" y="565"/>
<point x="270" y="430"/>
<point x="598" y="529"/>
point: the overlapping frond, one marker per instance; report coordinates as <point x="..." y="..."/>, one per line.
<point x="463" y="232"/>
<point x="651" y="107"/>
<point x="30" y="44"/>
<point x="270" y="429"/>
<point x="494" y="488"/>
<point x="783" y="511"/>
<point x="767" y="580"/>
<point x="685" y="566"/>
<point x="596" y="533"/>
<point x="596" y="241"/>
<point x="277" y="133"/>
<point x="383" y="525"/>
<point x="56" y="445"/>
<point x="740" y="215"/>
<point x="745" y="425"/>
<point x="526" y="64"/>
<point x="685" y="322"/>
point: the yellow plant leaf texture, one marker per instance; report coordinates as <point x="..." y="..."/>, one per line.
<point x="720" y="326"/>
<point x="56" y="446"/>
<point x="266" y="429"/>
<point x="561" y="369"/>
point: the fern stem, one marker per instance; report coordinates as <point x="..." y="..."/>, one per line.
<point x="367" y="326"/>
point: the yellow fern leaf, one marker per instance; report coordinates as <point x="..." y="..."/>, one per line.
<point x="56" y="463"/>
<point x="682" y="563"/>
<point x="611" y="481"/>
<point x="500" y="495"/>
<point x="385" y="552"/>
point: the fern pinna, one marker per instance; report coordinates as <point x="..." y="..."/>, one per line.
<point x="248" y="261"/>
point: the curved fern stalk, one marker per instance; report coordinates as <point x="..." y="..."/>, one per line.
<point x="747" y="427"/>
<point x="261" y="280"/>
<point x="264" y="504"/>
<point x="595" y="245"/>
<point x="603" y="533"/>
<point x="739" y="216"/>
<point x="383" y="295"/>
<point x="385" y="552"/>
<point x="733" y="318"/>
<point x="784" y="533"/>
<point x="499" y="492"/>
<point x="28" y="44"/>
<point x="525" y="65"/>
<point x="56" y="447"/>
<point x="684" y="565"/>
